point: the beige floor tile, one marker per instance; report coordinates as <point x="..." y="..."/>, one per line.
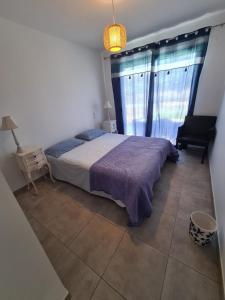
<point x="114" y="213"/>
<point x="197" y="190"/>
<point x="182" y="282"/>
<point x="200" y="174"/>
<point x="45" y="211"/>
<point x="53" y="248"/>
<point x="177" y="171"/>
<point x="200" y="178"/>
<point x="136" y="270"/>
<point x="105" y="292"/>
<point x="204" y="260"/>
<point x="79" y="279"/>
<point x="63" y="261"/>
<point x="45" y="185"/>
<point x="49" y="207"/>
<point x="133" y="268"/>
<point x="166" y="201"/>
<point x="40" y="231"/>
<point x="96" y="243"/>
<point x="156" y="231"/>
<point x="28" y="201"/>
<point x="69" y="222"/>
<point x="190" y="203"/>
<point x="192" y="155"/>
<point x="85" y="199"/>
<point x="169" y="181"/>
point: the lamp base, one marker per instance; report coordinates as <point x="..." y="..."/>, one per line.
<point x="19" y="150"/>
<point x="109" y="116"/>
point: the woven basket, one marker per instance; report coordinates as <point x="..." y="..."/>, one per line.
<point x="202" y="228"/>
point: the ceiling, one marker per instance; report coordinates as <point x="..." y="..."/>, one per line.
<point x="83" y="20"/>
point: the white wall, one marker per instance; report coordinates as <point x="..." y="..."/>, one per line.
<point x="210" y="89"/>
<point x="52" y="89"/>
<point x="25" y="272"/>
<point x="217" y="170"/>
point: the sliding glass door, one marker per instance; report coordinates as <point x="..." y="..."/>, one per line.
<point x="155" y="86"/>
<point x="132" y="90"/>
<point x="135" y="93"/>
<point x="170" y="102"/>
<point x="172" y="89"/>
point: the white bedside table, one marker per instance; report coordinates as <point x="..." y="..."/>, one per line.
<point x="30" y="160"/>
<point x="110" y="126"/>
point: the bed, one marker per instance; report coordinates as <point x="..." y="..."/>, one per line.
<point x="119" y="167"/>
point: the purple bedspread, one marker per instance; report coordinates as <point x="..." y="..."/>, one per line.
<point x="129" y="171"/>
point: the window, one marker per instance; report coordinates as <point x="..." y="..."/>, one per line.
<point x="155" y="88"/>
<point x="135" y="84"/>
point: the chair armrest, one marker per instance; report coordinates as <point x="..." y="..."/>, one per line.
<point x="179" y="134"/>
<point x="180" y="131"/>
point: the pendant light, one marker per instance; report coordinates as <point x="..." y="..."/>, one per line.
<point x="115" y="36"/>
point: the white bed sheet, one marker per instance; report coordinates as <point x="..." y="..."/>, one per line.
<point x="74" y="166"/>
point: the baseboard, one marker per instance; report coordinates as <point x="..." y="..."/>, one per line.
<point x="24" y="187"/>
<point x="221" y="269"/>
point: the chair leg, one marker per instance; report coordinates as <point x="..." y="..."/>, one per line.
<point x="204" y="153"/>
<point x="184" y="146"/>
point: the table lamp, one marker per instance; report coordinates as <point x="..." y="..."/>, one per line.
<point x="9" y="124"/>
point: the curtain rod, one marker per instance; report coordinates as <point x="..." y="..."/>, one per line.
<point x="211" y="26"/>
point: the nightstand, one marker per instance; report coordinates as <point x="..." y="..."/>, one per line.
<point x="30" y="160"/>
<point x="110" y="126"/>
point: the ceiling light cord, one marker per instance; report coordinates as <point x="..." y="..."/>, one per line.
<point x="114" y="15"/>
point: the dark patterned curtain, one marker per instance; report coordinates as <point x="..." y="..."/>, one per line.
<point x="155" y="86"/>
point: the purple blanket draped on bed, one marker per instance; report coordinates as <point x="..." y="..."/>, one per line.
<point x="129" y="171"/>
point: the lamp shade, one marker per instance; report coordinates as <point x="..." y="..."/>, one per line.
<point x="107" y="105"/>
<point x="8" y="123"/>
<point x="115" y="37"/>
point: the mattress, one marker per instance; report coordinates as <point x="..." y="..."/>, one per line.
<point x="74" y="166"/>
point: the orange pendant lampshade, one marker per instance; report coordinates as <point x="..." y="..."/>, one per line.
<point x="115" y="36"/>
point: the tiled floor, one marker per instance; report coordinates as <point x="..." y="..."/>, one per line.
<point x="98" y="257"/>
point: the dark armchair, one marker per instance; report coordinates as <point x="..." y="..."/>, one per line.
<point x="198" y="131"/>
